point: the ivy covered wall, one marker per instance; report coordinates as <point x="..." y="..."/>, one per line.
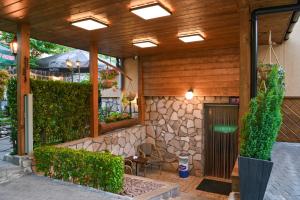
<point x="61" y="111"/>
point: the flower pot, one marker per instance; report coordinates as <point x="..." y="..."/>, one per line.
<point x="254" y="176"/>
<point x="106" y="83"/>
<point x="264" y="71"/>
<point x="107" y="127"/>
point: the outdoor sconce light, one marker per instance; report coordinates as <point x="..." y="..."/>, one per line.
<point x="189" y="94"/>
<point x="77" y="63"/>
<point x="89" y="24"/>
<point x="151" y="10"/>
<point x="14" y="46"/>
<point x="69" y="63"/>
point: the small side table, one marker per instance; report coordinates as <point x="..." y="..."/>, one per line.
<point x="139" y="160"/>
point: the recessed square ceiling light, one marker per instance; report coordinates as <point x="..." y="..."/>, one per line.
<point x="191" y="38"/>
<point x="151" y="11"/>
<point x="145" y="44"/>
<point x="89" y="24"/>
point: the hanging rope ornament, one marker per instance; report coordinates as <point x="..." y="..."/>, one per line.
<point x="130" y="95"/>
<point x="265" y="68"/>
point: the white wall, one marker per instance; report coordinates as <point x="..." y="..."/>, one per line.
<point x="289" y="56"/>
<point x="131" y="69"/>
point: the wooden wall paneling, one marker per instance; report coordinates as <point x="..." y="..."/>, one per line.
<point x="213" y="73"/>
<point x="23" y="81"/>
<point x="94" y="96"/>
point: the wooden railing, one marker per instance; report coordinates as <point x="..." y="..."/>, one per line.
<point x="290" y="128"/>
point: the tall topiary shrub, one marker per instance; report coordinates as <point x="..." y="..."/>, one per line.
<point x="61" y="111"/>
<point x="262" y="123"/>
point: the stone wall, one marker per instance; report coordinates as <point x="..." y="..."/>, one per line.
<point x="175" y="125"/>
<point x="122" y="142"/>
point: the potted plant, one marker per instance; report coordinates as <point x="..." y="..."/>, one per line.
<point x="130" y="96"/>
<point x="108" y="79"/>
<point x="259" y="132"/>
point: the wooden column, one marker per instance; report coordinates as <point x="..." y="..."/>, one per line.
<point x="245" y="62"/>
<point x="23" y="80"/>
<point x="141" y="97"/>
<point x="94" y="82"/>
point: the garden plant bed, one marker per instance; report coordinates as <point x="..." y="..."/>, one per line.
<point x="107" y="127"/>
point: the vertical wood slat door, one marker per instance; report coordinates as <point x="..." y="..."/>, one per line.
<point x="221" y="149"/>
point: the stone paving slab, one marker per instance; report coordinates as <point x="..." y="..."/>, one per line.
<point x="284" y="183"/>
<point x="43" y="188"/>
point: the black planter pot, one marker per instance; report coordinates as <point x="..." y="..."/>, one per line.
<point x="254" y="176"/>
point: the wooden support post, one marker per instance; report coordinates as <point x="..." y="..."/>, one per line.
<point x="23" y="80"/>
<point x="94" y="82"/>
<point x="245" y="61"/>
<point x="141" y="97"/>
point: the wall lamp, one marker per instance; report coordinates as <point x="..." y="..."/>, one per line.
<point x="14" y="46"/>
<point x="189" y="94"/>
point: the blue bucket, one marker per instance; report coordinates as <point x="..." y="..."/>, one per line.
<point x="183" y="172"/>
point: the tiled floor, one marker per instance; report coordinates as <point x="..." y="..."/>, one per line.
<point x="284" y="183"/>
<point x="187" y="186"/>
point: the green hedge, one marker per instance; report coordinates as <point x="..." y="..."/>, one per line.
<point x="61" y="110"/>
<point x="99" y="170"/>
<point x="12" y="110"/>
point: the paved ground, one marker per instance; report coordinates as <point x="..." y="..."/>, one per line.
<point x="5" y="146"/>
<point x="42" y="188"/>
<point x="284" y="183"/>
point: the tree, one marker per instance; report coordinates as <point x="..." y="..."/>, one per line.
<point x="4" y="76"/>
<point x="37" y="47"/>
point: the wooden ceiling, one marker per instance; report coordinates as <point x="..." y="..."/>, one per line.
<point x="217" y="20"/>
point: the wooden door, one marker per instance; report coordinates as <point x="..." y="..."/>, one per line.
<point x="221" y="139"/>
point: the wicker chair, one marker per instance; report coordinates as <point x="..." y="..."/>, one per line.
<point x="128" y="167"/>
<point x="149" y="151"/>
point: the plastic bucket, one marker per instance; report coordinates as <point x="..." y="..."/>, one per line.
<point x="183" y="168"/>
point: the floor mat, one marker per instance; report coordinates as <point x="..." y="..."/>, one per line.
<point x="214" y="186"/>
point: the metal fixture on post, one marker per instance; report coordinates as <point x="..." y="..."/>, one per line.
<point x="78" y="67"/>
<point x="28" y="124"/>
<point x="70" y="66"/>
<point x="254" y="36"/>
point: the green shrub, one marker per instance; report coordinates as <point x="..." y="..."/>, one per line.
<point x="99" y="170"/>
<point x="116" y="116"/>
<point x="61" y="110"/>
<point x="262" y="123"/>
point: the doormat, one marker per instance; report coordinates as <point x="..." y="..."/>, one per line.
<point x="214" y="186"/>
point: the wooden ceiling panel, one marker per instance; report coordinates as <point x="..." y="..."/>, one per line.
<point x="217" y="20"/>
